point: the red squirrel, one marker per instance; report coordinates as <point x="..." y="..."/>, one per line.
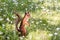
<point x="24" y="22"/>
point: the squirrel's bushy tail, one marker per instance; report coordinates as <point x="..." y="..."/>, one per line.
<point x="17" y="20"/>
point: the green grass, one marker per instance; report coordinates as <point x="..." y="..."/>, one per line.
<point x="42" y="27"/>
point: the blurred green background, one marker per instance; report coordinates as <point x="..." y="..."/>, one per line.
<point x="44" y="21"/>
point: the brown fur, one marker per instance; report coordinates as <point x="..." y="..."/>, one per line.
<point x="23" y="23"/>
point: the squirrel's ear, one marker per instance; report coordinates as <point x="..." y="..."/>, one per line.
<point x="25" y="12"/>
<point x="28" y="12"/>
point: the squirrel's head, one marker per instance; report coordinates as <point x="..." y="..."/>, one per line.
<point x="27" y="14"/>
